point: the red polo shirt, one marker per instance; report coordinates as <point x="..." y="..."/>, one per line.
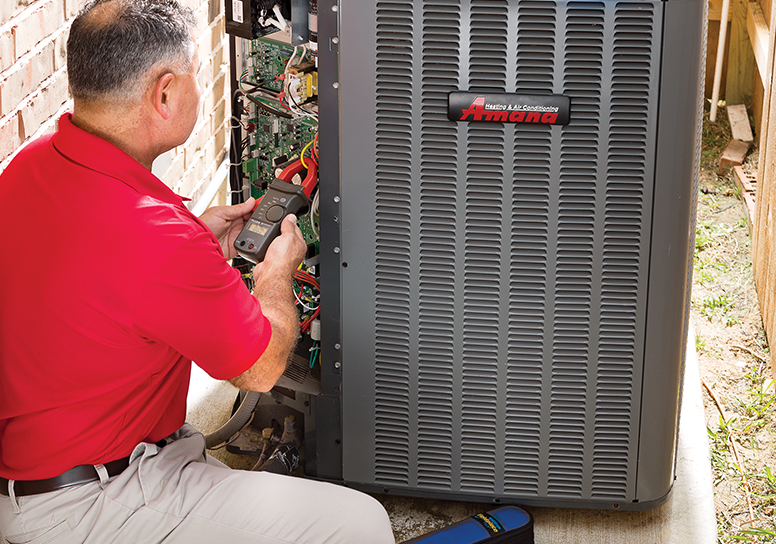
<point x="109" y="288"/>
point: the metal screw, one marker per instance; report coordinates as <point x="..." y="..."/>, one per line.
<point x="335" y="8"/>
<point x="335" y="40"/>
<point x="335" y="85"/>
<point x="337" y="346"/>
<point x="337" y="364"/>
<point x="336" y="250"/>
<point x="336" y="199"/>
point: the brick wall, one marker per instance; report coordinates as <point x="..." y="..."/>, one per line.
<point x="34" y="92"/>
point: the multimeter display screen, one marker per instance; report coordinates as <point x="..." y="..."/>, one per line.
<point x="258" y="228"/>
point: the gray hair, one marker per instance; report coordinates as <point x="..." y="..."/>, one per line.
<point x="116" y="47"/>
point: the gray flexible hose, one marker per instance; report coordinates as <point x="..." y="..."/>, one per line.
<point x="235" y="423"/>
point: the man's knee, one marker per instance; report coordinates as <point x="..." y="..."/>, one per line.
<point x="367" y="521"/>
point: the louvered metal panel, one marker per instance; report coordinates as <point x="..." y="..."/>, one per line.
<point x="393" y="165"/>
<point x="495" y="277"/>
<point x="436" y="299"/>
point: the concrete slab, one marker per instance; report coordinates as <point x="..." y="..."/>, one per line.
<point x="687" y="517"/>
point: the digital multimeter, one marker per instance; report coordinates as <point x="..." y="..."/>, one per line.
<point x="282" y="198"/>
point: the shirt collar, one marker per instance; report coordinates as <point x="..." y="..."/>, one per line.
<point x="101" y="156"/>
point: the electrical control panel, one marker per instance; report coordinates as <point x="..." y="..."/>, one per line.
<point x="274" y="145"/>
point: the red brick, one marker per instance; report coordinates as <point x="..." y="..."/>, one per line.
<point x="71" y="8"/>
<point x="215" y="93"/>
<point x="214" y="10"/>
<point x="175" y="171"/>
<point x="217" y="61"/>
<point x="49" y="126"/>
<point x="189" y="183"/>
<point x="58" y="90"/>
<point x="195" y="144"/>
<point x="220" y="136"/>
<point x="43" y="105"/>
<point x="60" y="48"/>
<point x="9" y="135"/>
<point x="43" y="63"/>
<point x="218" y="117"/>
<point x="25" y="77"/>
<point x="201" y="10"/>
<point x="44" y="19"/>
<point x="7" y="55"/>
<point x="202" y="184"/>
<point x="10" y="9"/>
<point x="16" y="86"/>
<point x="734" y="155"/>
<point x="210" y="152"/>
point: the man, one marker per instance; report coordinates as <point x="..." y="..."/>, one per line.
<point x="109" y="289"/>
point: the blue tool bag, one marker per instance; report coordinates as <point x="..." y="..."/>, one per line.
<point x="505" y="525"/>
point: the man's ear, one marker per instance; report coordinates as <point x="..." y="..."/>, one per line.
<point x="161" y="95"/>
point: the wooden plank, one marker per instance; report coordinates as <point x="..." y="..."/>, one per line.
<point x="741" y="65"/>
<point x="757" y="27"/>
<point x="715" y="10"/>
<point x="757" y="106"/>
<point x="763" y="259"/>
<point x="739" y="123"/>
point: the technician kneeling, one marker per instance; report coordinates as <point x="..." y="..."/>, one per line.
<point x="109" y="289"/>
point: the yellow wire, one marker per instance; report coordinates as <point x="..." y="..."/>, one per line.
<point x="305" y="149"/>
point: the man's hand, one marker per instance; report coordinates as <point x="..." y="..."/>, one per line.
<point x="284" y="253"/>
<point x="274" y="289"/>
<point x="226" y="222"/>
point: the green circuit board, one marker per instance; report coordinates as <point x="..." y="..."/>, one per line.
<point x="267" y="60"/>
<point x="273" y="140"/>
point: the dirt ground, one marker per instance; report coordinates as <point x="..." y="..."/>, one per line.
<point x="733" y="354"/>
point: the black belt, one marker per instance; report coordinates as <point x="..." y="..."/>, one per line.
<point x="75" y="476"/>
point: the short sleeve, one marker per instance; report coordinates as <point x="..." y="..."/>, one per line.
<point x="198" y="305"/>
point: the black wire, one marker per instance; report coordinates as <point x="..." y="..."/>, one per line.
<point x="299" y="106"/>
<point x="266" y="108"/>
<point x="258" y="85"/>
<point x="236" y="153"/>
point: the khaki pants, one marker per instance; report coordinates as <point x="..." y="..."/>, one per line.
<point x="178" y="495"/>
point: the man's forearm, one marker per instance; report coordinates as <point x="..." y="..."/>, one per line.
<point x="274" y="290"/>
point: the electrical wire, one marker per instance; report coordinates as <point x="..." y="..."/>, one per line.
<point x="240" y="121"/>
<point x="302" y="304"/>
<point x="304" y="149"/>
<point x="292" y="104"/>
<point x="314" y="351"/>
<point x="267" y="107"/>
<point x="304" y="277"/>
<point x="314" y="211"/>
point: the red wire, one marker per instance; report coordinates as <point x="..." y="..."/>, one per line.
<point x="310" y="180"/>
<point x="305" y="277"/>
<point x="280" y="99"/>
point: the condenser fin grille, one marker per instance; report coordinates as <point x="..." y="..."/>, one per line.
<point x="393" y="166"/>
<point x="437" y="291"/>
<point x="506" y="349"/>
